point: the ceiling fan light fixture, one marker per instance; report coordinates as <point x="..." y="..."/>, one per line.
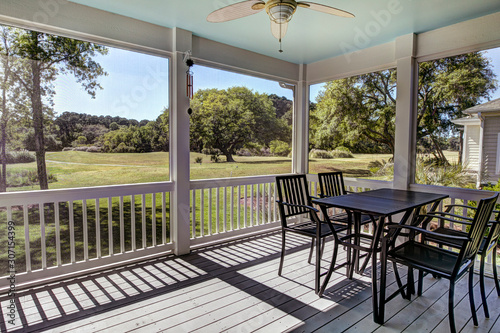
<point x="281" y="11"/>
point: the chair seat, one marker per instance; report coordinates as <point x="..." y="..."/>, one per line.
<point x="309" y="228"/>
<point x="425" y="257"/>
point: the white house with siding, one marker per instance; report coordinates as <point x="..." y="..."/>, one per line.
<point x="481" y="145"/>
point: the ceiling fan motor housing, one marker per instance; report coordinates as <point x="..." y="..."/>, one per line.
<point x="281" y="11"/>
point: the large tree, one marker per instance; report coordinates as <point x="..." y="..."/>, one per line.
<point x="356" y="109"/>
<point x="229" y="119"/>
<point x="364" y="106"/>
<point x="47" y="56"/>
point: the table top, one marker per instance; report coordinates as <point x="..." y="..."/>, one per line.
<point x="382" y="201"/>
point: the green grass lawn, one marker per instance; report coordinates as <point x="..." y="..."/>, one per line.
<point x="81" y="169"/>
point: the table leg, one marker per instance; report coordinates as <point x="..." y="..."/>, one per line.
<point x="376" y="238"/>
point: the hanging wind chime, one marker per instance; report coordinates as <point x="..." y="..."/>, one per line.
<point x="189" y="77"/>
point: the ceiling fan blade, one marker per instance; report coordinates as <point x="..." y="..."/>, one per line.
<point x="325" y="9"/>
<point x="236" y="11"/>
<point x="279" y="30"/>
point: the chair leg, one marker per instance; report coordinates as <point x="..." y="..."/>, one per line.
<point x="495" y="274"/>
<point x="451" y="307"/>
<point x="318" y="265"/>
<point x="311" y="251"/>
<point x="398" y="279"/>
<point x="410" y="284"/>
<point x="282" y="252"/>
<point x="481" y="285"/>
<point x="471" y="297"/>
<point x="420" y="283"/>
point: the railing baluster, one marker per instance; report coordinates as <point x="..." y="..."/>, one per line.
<point x="231" y="207"/>
<point x="224" y="200"/>
<point x="193" y="213"/>
<point x="72" y="232"/>
<point x="251" y="205"/>
<point x="143" y="211"/>
<point x="85" y="231"/>
<point x="202" y="213"/>
<point x="98" y="228"/>
<point x="163" y="217"/>
<point x="27" y="238"/>
<point x="217" y="208"/>
<point x="110" y="226"/>
<point x="43" y="241"/>
<point x="238" y="197"/>
<point x="122" y="227"/>
<point x="210" y="222"/>
<point x="245" y="202"/>
<point x="132" y="223"/>
<point x="257" y="205"/>
<point x="153" y="219"/>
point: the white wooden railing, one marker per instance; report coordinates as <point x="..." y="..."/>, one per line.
<point x="64" y="232"/>
<point x="232" y="207"/>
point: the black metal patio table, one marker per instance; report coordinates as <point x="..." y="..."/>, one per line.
<point x="382" y="203"/>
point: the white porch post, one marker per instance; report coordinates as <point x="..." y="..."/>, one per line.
<point x="300" y="140"/>
<point x="179" y="144"/>
<point x="406" y="112"/>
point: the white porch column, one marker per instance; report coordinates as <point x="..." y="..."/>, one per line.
<point x="406" y="112"/>
<point x="300" y="140"/>
<point x="179" y="144"/>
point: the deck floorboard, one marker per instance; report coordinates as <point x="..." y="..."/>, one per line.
<point x="234" y="287"/>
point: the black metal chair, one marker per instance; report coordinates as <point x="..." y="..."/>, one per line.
<point x="438" y="261"/>
<point x="488" y="244"/>
<point x="300" y="217"/>
<point x="331" y="184"/>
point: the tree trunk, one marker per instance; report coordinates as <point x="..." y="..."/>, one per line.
<point x="3" y="143"/>
<point x="3" y="128"/>
<point x="229" y="157"/>
<point x="36" y="101"/>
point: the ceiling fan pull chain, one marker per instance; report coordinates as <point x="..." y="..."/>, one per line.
<point x="280" y="50"/>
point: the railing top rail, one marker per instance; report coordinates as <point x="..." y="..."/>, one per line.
<point x="60" y="195"/>
<point x="453" y="192"/>
<point x="234" y="181"/>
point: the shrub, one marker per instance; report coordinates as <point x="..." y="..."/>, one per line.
<point x="452" y="175"/>
<point x="198" y="159"/>
<point x="279" y="148"/>
<point x="381" y="168"/>
<point x="67" y="149"/>
<point x="123" y="148"/>
<point x="94" y="149"/>
<point x="341" y="153"/>
<point x="342" y="148"/>
<point x="26" y="178"/>
<point x="22" y="156"/>
<point x="319" y="153"/>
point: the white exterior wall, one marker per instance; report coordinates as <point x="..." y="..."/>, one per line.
<point x="490" y="148"/>
<point x="470" y="157"/>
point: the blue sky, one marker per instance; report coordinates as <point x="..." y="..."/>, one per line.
<point x="137" y="86"/>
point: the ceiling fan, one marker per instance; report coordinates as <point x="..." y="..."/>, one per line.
<point x="280" y="12"/>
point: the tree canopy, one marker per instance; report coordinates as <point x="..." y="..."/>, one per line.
<point x="229" y="119"/>
<point x="359" y="112"/>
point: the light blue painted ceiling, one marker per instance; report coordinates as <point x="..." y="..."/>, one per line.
<point x="311" y="35"/>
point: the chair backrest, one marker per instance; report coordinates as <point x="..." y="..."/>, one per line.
<point x="477" y="229"/>
<point x="331" y="184"/>
<point x="292" y="190"/>
<point x="493" y="235"/>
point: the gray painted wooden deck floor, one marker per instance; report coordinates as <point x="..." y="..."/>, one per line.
<point x="234" y="287"/>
